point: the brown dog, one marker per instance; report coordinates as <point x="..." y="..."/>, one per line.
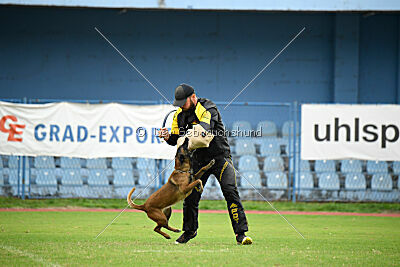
<point x="180" y="184"/>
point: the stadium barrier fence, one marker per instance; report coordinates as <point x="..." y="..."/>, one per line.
<point x="270" y="162"/>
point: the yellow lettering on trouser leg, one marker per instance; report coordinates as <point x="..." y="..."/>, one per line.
<point x="235" y="215"/>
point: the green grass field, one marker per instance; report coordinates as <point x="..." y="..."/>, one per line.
<point x="67" y="238"/>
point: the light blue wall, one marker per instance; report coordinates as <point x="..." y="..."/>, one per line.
<point x="56" y="53"/>
<point x="281" y="5"/>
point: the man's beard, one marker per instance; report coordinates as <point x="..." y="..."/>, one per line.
<point x="192" y="105"/>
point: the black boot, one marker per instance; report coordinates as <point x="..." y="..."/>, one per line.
<point x="242" y="239"/>
<point x="185" y="237"/>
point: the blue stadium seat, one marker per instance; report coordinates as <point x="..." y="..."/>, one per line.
<point x="305" y="181"/>
<point x="267" y="140"/>
<point x="283" y="141"/>
<point x="241" y="125"/>
<point x="123" y="177"/>
<point x="286" y="128"/>
<point x="270" y="148"/>
<point x="325" y="166"/>
<point x="249" y="140"/>
<point x="355" y="181"/>
<point x="212" y="181"/>
<point x="244" y="147"/>
<point x="249" y="178"/>
<point x="71" y="177"/>
<point x="46" y="182"/>
<point x="329" y="181"/>
<point x="381" y="181"/>
<point x="146" y="177"/>
<point x="46" y="177"/>
<point x="248" y="163"/>
<point x="277" y="180"/>
<point x="273" y="164"/>
<point x="377" y="167"/>
<point x="44" y="162"/>
<point x="212" y="189"/>
<point x="168" y="164"/>
<point x="146" y="164"/>
<point x="1" y="177"/>
<point x="167" y="174"/>
<point x="13" y="177"/>
<point x="97" y="177"/>
<point x="268" y="128"/>
<point x="1" y="162"/>
<point x="57" y="171"/>
<point x="351" y="166"/>
<point x="33" y="171"/>
<point x="13" y="162"/>
<point x="70" y="163"/>
<point x="169" y="167"/>
<point x="122" y="163"/>
<point x="396" y="168"/>
<point x="304" y="165"/>
<point x="6" y="171"/>
<point x="84" y="172"/>
<point x="98" y="163"/>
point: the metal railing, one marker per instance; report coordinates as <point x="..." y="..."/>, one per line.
<point x="25" y="184"/>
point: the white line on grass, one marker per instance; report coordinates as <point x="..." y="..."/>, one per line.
<point x="178" y="251"/>
<point x="36" y="258"/>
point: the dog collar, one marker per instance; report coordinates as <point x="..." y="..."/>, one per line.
<point x="190" y="171"/>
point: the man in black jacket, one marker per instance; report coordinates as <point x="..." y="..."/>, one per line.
<point x="191" y="111"/>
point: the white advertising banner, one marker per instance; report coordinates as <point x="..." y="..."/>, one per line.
<point x="368" y="132"/>
<point x="83" y="130"/>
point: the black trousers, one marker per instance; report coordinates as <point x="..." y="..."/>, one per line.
<point x="224" y="172"/>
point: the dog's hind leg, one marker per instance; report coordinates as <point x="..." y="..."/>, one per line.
<point x="159" y="217"/>
<point x="167" y="212"/>
<point x="158" y="230"/>
<point x="176" y="230"/>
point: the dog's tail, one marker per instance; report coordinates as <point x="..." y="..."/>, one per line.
<point x="130" y="202"/>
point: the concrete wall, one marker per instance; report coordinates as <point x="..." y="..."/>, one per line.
<point x="56" y="53"/>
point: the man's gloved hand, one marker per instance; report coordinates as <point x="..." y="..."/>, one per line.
<point x="163" y="133"/>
